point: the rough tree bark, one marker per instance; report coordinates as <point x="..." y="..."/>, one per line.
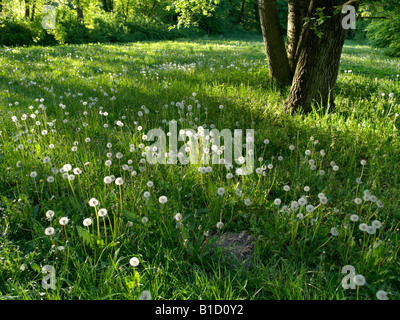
<point x="27" y="9"/>
<point x="318" y="57"/>
<point x="310" y="63"/>
<point x="79" y="11"/>
<point x="296" y="14"/>
<point x="278" y="62"/>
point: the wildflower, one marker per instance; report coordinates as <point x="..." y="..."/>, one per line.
<point x="67" y="167"/>
<point x="363" y="162"/>
<point x="363" y="227"/>
<point x="221" y="191"/>
<point x="102" y="212"/>
<point x="149" y="184"/>
<point x="359" y="280"/>
<point x="310" y="208"/>
<point x="334" y="231"/>
<point x="50" y="179"/>
<point x="277" y="202"/>
<point x="307" y="152"/>
<point x="302" y="201"/>
<point x="49" y="231"/>
<point x="33" y="174"/>
<point x="134" y="262"/>
<point x="108" y="163"/>
<point x="63" y="221"/>
<point x="77" y="171"/>
<point x="354" y="218"/>
<point x="220" y="225"/>
<point x="162" y="199"/>
<point x="286" y="188"/>
<point x="371" y="230"/>
<point x="376" y="224"/>
<point x="93" y="202"/>
<point x="145" y="220"/>
<point x="145" y="295"/>
<point x="381" y="295"/>
<point x="119" y="181"/>
<point x="178" y="217"/>
<point x="87" y="222"/>
<point x="323" y="200"/>
<point x="306" y="189"/>
<point x="50" y="214"/>
<point x="146" y="194"/>
<point x="247" y="202"/>
<point x="107" y="180"/>
<point x="357" y="200"/>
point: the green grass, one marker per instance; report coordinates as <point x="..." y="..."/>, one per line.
<point x="295" y="257"/>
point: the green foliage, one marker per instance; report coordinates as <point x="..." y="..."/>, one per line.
<point x="385" y="34"/>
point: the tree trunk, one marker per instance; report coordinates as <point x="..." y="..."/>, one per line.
<point x="297" y="12"/>
<point x="27" y="9"/>
<point x="33" y="10"/>
<point x="79" y="11"/>
<point x="242" y="11"/>
<point x="318" y="59"/>
<point x="1" y="5"/>
<point x="278" y="62"/>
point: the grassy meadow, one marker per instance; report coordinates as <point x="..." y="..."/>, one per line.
<point x="77" y="194"/>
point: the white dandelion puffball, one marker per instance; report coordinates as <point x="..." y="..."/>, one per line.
<point x="162" y="199"/>
<point x="107" y="180"/>
<point x="49" y="231"/>
<point x="178" y="217"/>
<point x="63" y="221"/>
<point x="381" y="295"/>
<point x="310" y="208"/>
<point x="221" y="191"/>
<point x="220" y="225"/>
<point x="93" y="202"/>
<point x="376" y="224"/>
<point x="363" y="227"/>
<point x="102" y="212"/>
<point x="119" y="181"/>
<point x="359" y="280"/>
<point x="145" y="295"/>
<point x="145" y="220"/>
<point x="50" y="214"/>
<point x="149" y="184"/>
<point x="334" y="232"/>
<point x="87" y="222"/>
<point x="247" y="202"/>
<point x="67" y="167"/>
<point x="357" y="200"/>
<point x="134" y="262"/>
<point x="146" y="194"/>
<point x="286" y="188"/>
<point x="354" y="218"/>
<point x="277" y="202"/>
<point x="33" y="174"/>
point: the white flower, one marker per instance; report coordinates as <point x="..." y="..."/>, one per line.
<point x="50" y="214"/>
<point x="310" y="208"/>
<point x="302" y="201"/>
<point x="102" y="212"/>
<point x="146" y="194"/>
<point x="357" y="200"/>
<point x="363" y="227"/>
<point x="162" y="199"/>
<point x="286" y="188"/>
<point x="49" y="231"/>
<point x="178" y="217"/>
<point x="323" y="200"/>
<point x="134" y="262"/>
<point x="277" y="202"/>
<point x="354" y="218"/>
<point x="93" y="202"/>
<point x="307" y="152"/>
<point x="363" y="162"/>
<point x="221" y="191"/>
<point x="376" y="224"/>
<point x="119" y="181"/>
<point x="220" y="225"/>
<point x="77" y="171"/>
<point x="145" y="220"/>
<point x="50" y="179"/>
<point x="33" y="174"/>
<point x="334" y="231"/>
<point x="149" y="184"/>
<point x="108" y="163"/>
<point x="247" y="202"/>
<point x="359" y="280"/>
<point x="67" y="167"/>
<point x="306" y="188"/>
<point x="63" y="221"/>
<point x="107" y="180"/>
<point x="145" y="295"/>
<point x="381" y="295"/>
<point x="87" y="222"/>
<point x="371" y="230"/>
